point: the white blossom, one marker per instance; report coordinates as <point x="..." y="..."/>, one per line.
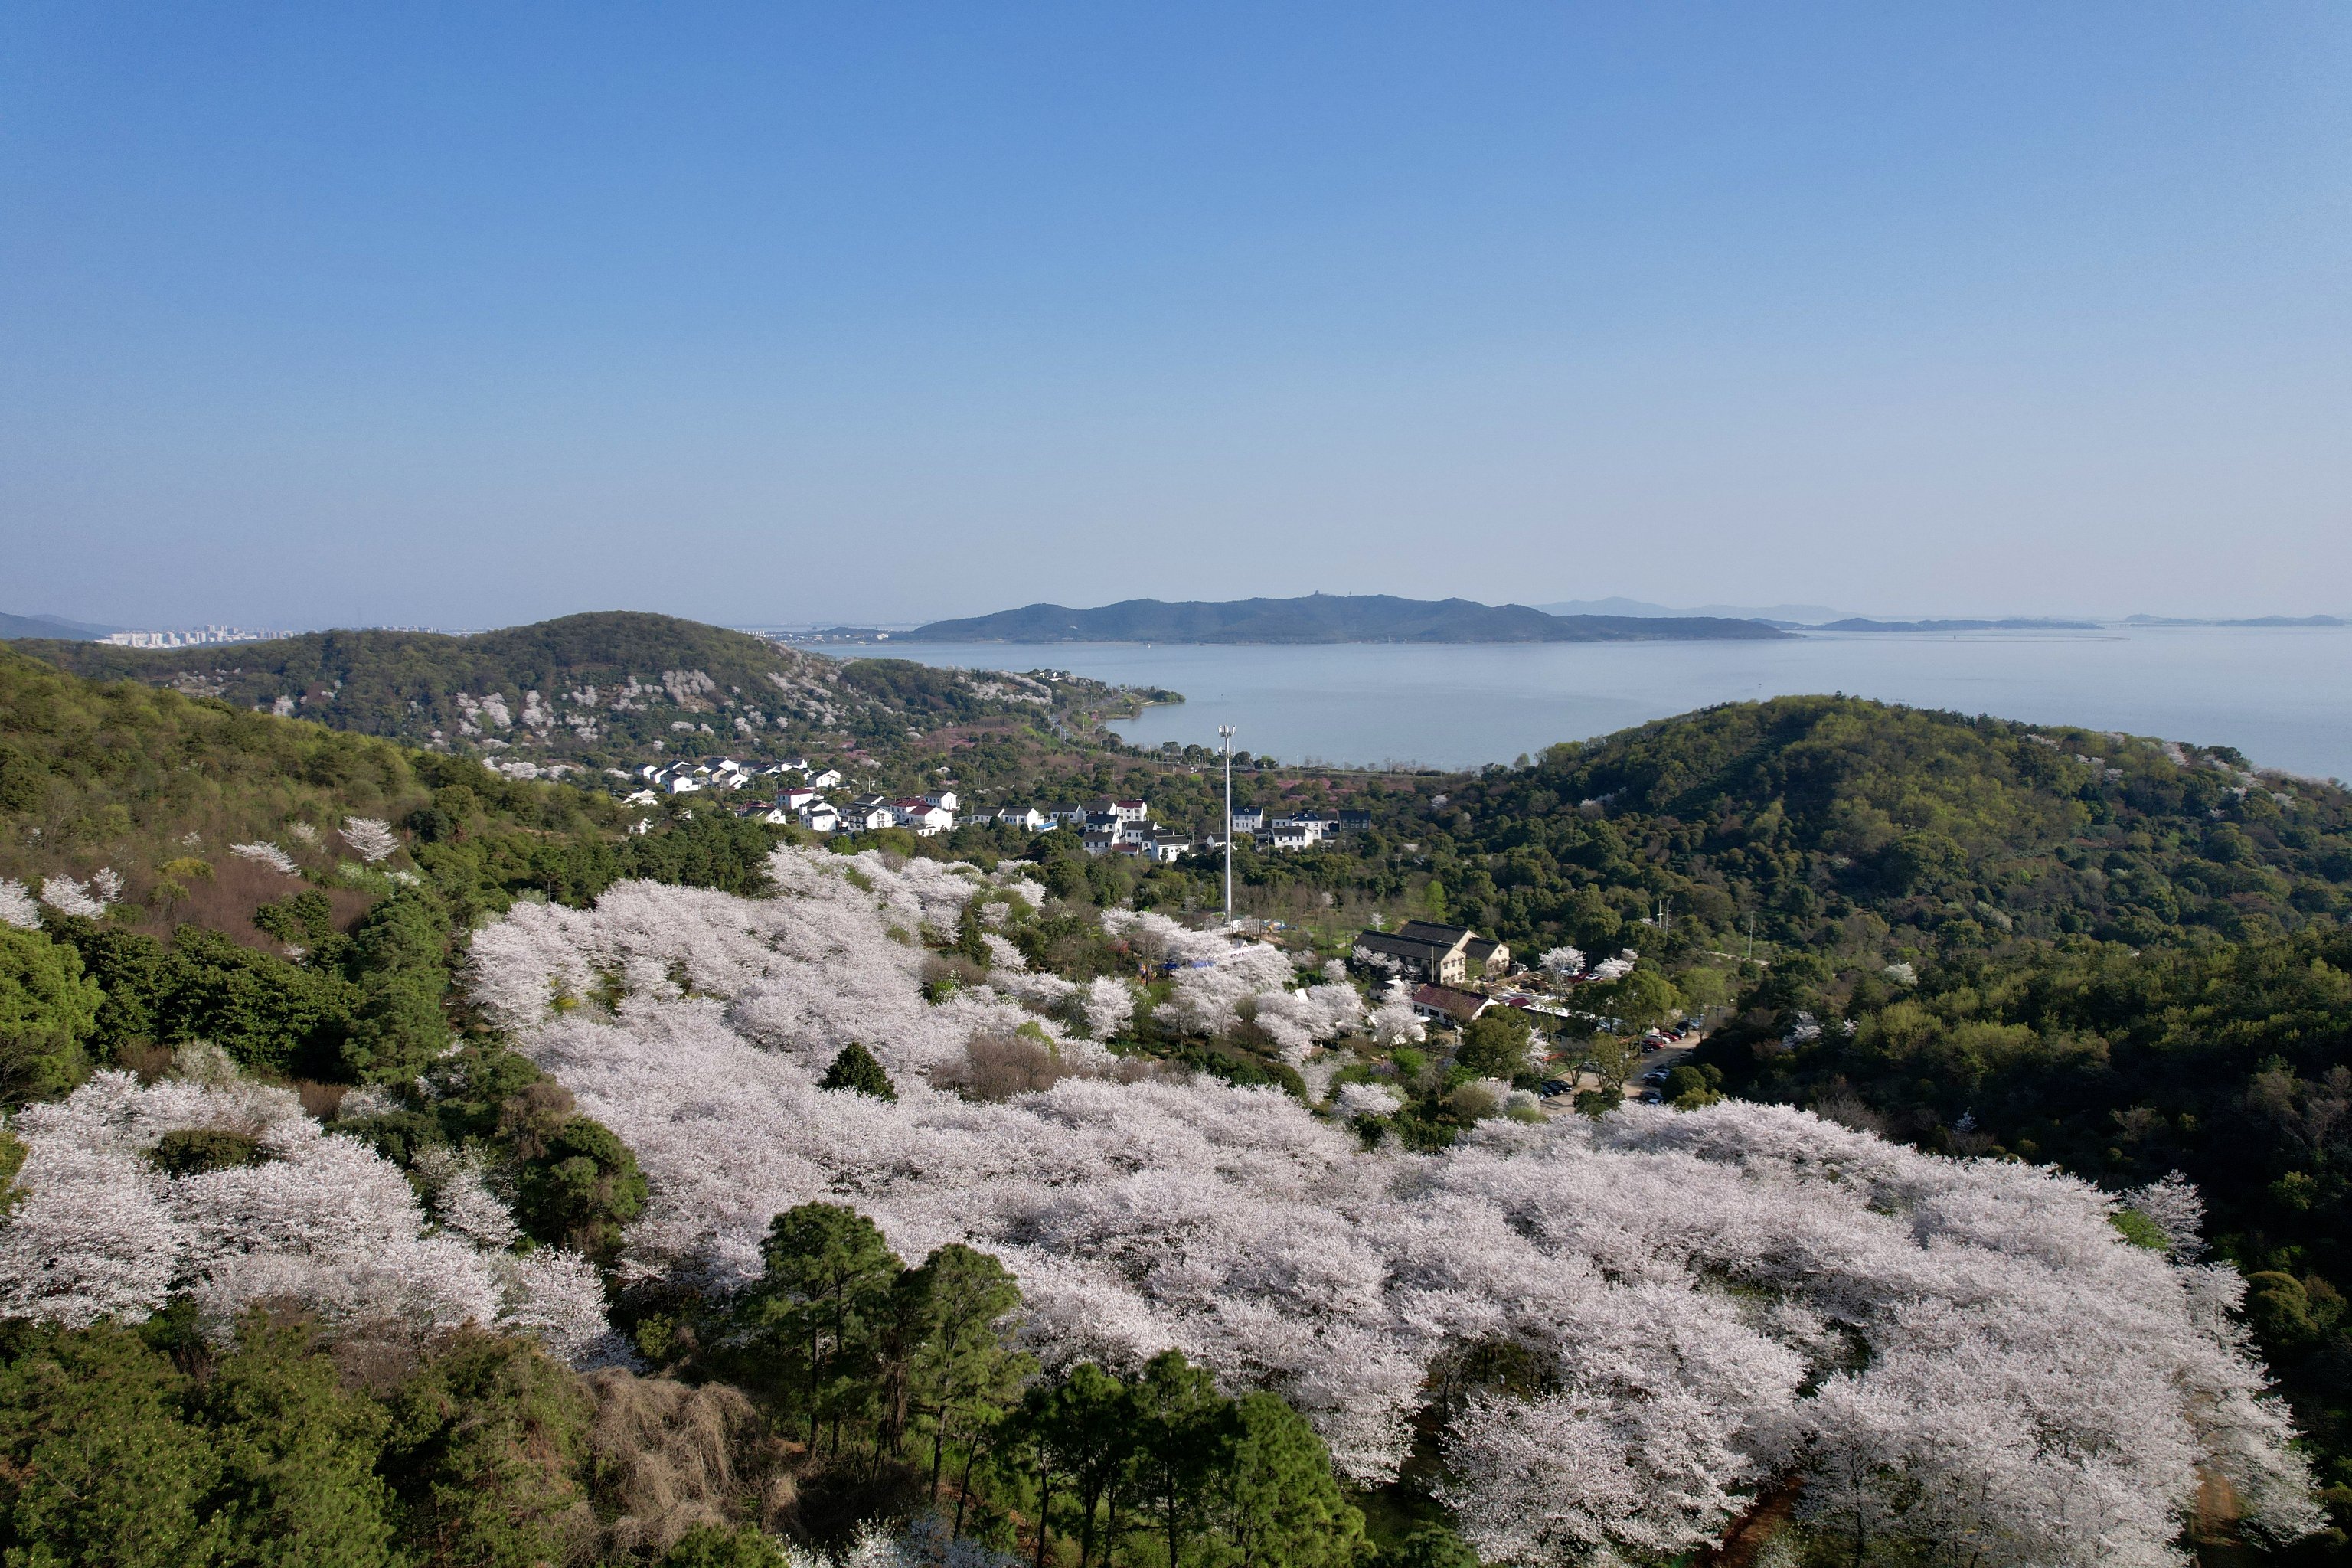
<point x="1108" y="1004"/>
<point x="317" y="1220"/>
<point x="366" y="1100"/>
<point x="267" y="853"/>
<point x="1562" y="961"/>
<point x="1359" y="1100"/>
<point x="372" y="836"/>
<point x="2004" y="1368"/>
<point x="68" y="896"/>
<point x="553" y="1295"/>
<point x="461" y="1201"/>
<point x="17" y="906"/>
<point x="1395" y="1023"/>
<point x="2174" y="1206"/>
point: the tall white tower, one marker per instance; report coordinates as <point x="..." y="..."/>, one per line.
<point x="1227" y="733"/>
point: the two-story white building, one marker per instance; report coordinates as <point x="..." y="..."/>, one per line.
<point x="922" y="817"/>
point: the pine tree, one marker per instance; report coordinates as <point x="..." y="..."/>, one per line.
<point x="828" y="1276"/>
<point x="856" y="1071"/>
<point x="971" y="937"/>
<point x="1287" y="1509"/>
<point x="967" y="1372"/>
<point x="1185" y="1435"/>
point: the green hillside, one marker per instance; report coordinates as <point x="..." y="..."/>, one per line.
<point x="611" y="687"/>
<point x="1323" y="618"/>
<point x="158" y="787"/>
<point x="2229" y="1061"/>
<point x="1838" y="822"/>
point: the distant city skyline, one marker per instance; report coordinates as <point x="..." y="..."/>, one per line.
<point x="365" y="315"/>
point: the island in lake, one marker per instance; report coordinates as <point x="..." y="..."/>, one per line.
<point x="1326" y="618"/>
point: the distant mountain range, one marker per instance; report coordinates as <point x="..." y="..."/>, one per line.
<point x="1325" y="618"/>
<point x="13" y="627"/>
<point x="2013" y="624"/>
<point x="2254" y="621"/>
<point x="1785" y="614"/>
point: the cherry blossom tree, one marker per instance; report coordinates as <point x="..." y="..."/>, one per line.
<point x="309" y="1217"/>
<point x="1395" y="1023"/>
<point x="68" y="896"/>
<point x="262" y="853"/>
<point x="17" y="907"/>
<point x="1356" y="1100"/>
<point x="1721" y="1302"/>
<point x="2174" y="1206"/>
<point x="371" y="837"/>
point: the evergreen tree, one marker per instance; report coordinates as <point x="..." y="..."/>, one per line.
<point x="399" y="956"/>
<point x="113" y="1454"/>
<point x="47" y="1008"/>
<point x="708" y="1546"/>
<point x="487" y="1445"/>
<point x="827" y="1278"/>
<point x="967" y="1372"/>
<point x="972" y="936"/>
<point x="856" y="1070"/>
<point x="100" y="1466"/>
<point x="583" y="1189"/>
<point x="1286" y="1510"/>
<point x="297" y="1453"/>
<point x="1089" y="1420"/>
<point x="1431" y="1546"/>
<point x="1184" y="1439"/>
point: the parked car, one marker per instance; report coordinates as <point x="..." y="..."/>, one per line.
<point x="1655" y="1075"/>
<point x="1555" y="1086"/>
<point x="1649" y="1046"/>
<point x="1651" y="1097"/>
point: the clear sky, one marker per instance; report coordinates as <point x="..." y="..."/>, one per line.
<point x="466" y="315"/>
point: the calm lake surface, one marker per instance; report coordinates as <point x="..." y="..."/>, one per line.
<point x="2283" y="696"/>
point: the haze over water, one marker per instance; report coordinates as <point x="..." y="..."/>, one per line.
<point x="2283" y="696"/>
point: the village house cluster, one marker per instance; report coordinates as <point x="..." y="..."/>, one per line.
<point x="793" y="792"/>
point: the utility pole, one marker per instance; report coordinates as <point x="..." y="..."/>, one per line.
<point x="1225" y="731"/>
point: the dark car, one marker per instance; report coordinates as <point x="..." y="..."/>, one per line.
<point x="1555" y="1086"/>
<point x="1651" y="1097"/>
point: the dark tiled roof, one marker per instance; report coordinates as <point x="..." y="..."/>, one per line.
<point x="1397" y="946"/>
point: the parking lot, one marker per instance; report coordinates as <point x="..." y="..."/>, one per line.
<point x="1648" y="1080"/>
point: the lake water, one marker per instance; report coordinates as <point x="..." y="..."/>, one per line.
<point x="2282" y="696"/>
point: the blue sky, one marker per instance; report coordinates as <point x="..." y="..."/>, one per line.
<point x="468" y="315"/>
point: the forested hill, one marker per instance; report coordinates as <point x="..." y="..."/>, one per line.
<point x="1838" y="821"/>
<point x="602" y="686"/>
<point x="1325" y="618"/>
